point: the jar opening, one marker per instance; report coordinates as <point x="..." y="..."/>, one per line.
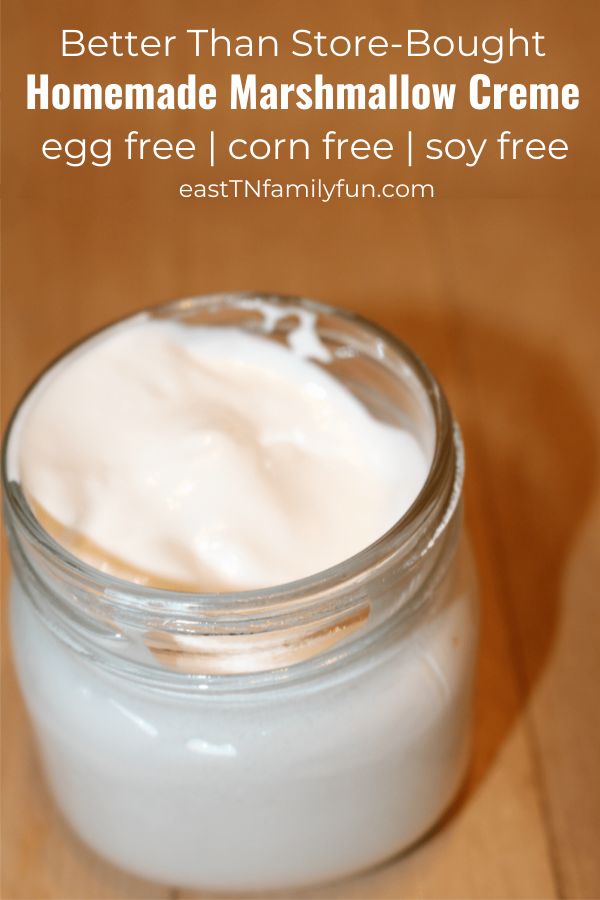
<point x="342" y="589"/>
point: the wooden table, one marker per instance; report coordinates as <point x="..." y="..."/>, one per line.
<point x="496" y="286"/>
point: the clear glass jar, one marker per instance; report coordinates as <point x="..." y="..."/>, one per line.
<point x="269" y="738"/>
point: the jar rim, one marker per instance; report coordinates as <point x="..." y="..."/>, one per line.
<point x="446" y="470"/>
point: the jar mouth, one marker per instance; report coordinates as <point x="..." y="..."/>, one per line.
<point x="432" y="508"/>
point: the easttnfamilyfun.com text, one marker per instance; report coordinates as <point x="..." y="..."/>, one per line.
<point x="315" y="189"/>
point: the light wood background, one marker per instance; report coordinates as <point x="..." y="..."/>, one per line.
<point x="496" y="286"/>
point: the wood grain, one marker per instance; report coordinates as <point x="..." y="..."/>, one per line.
<point x="500" y="296"/>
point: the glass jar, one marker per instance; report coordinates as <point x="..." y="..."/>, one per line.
<point x="269" y="738"/>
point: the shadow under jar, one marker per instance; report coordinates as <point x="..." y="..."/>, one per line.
<point x="268" y="738"/>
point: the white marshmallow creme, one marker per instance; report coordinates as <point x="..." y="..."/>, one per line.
<point x="243" y="614"/>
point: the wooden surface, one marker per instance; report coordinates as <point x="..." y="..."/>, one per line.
<point x="496" y="286"/>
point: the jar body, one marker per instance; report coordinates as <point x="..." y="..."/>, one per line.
<point x="299" y="783"/>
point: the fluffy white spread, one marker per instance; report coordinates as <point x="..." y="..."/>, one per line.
<point x="208" y="458"/>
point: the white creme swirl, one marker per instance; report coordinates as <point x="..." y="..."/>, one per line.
<point x="208" y="458"/>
